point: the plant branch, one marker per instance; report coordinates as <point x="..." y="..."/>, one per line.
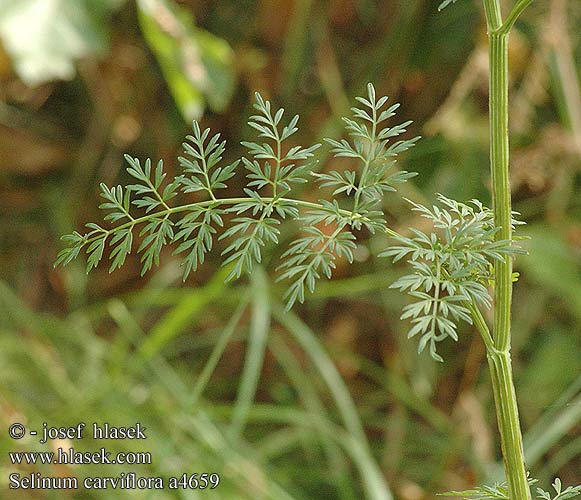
<point x="218" y="202"/>
<point x="480" y="323"/>
<point x="516" y="11"/>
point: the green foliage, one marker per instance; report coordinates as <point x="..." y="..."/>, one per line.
<point x="396" y="42"/>
<point x="314" y="255"/>
<point x="500" y="492"/>
<point x="450" y="268"/>
<point x="271" y="172"/>
<point x="46" y="41"/>
<point x="197" y="66"/>
<point x="273" y="169"/>
<point x="560" y="493"/>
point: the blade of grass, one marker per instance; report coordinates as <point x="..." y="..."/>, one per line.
<point x="569" y="452"/>
<point x="561" y="417"/>
<point x="215" y="356"/>
<point x="555" y="423"/>
<point x="258" y="482"/>
<point x="394" y="383"/>
<point x="129" y="327"/>
<point x="182" y="314"/>
<point x="296" y="53"/>
<point x="373" y="480"/>
<point x="337" y="465"/>
<point x="42" y="351"/>
<point x="246" y="472"/>
<point x="277" y="443"/>
<point x="257" y="341"/>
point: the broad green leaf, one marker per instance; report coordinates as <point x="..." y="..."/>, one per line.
<point x="45" y="38"/>
<point x="196" y="65"/>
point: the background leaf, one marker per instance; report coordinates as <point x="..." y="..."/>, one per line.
<point x="45" y="38"/>
<point x="197" y="65"/>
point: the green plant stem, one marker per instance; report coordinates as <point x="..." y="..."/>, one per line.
<point x="500" y="366"/>
<point x="499" y="356"/>
<point x="480" y="324"/>
<point x="517" y="10"/>
<point x="501" y="200"/>
<point x="217" y="202"/>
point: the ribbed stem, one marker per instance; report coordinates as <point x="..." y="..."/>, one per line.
<point x="499" y="355"/>
<point x="501" y="202"/>
<point x="509" y="425"/>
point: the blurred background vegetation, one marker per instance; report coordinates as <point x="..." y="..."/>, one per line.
<point x="331" y="400"/>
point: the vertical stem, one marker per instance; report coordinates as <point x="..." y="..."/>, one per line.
<point x="499" y="355"/>
<point x="501" y="201"/>
<point x="508" y="424"/>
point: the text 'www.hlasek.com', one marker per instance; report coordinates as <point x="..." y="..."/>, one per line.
<point x="67" y="454"/>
